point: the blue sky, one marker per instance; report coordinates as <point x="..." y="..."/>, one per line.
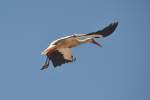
<point x="120" y="70"/>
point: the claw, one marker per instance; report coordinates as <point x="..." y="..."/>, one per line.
<point x="74" y="59"/>
<point x="44" y="66"/>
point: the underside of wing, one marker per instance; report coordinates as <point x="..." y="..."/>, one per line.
<point x="61" y="56"/>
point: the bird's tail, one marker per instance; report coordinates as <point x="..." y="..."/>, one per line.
<point x="43" y="52"/>
<point x="48" y="50"/>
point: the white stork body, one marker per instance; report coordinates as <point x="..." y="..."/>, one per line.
<point x="59" y="50"/>
<point x="67" y="42"/>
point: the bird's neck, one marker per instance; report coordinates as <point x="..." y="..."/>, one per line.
<point x="84" y="41"/>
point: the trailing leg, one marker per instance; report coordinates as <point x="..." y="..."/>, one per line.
<point x="46" y="64"/>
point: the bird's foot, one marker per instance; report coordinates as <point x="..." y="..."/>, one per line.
<point x="74" y="59"/>
<point x="44" y="66"/>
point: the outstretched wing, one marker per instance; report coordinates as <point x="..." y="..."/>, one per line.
<point x="105" y="31"/>
<point x="101" y="33"/>
<point x="61" y="56"/>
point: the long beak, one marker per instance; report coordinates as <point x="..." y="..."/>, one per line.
<point x="98" y="44"/>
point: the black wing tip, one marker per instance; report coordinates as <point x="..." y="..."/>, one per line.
<point x="109" y="29"/>
<point x="106" y="31"/>
<point x="114" y="24"/>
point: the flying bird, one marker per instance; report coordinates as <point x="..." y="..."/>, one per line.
<point x="58" y="52"/>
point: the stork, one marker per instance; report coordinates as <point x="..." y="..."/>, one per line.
<point x="58" y="52"/>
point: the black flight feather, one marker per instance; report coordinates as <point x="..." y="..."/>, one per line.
<point x="58" y="59"/>
<point x="107" y="30"/>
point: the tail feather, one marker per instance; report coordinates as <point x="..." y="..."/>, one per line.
<point x="49" y="50"/>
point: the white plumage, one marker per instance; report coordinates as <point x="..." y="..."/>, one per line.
<point x="59" y="50"/>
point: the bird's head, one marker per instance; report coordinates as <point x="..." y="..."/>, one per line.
<point x="91" y="40"/>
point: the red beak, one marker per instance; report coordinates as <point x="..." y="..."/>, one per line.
<point x="98" y="44"/>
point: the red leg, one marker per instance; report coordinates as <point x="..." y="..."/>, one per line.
<point x="46" y="64"/>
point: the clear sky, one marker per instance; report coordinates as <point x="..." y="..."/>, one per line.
<point x="120" y="70"/>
